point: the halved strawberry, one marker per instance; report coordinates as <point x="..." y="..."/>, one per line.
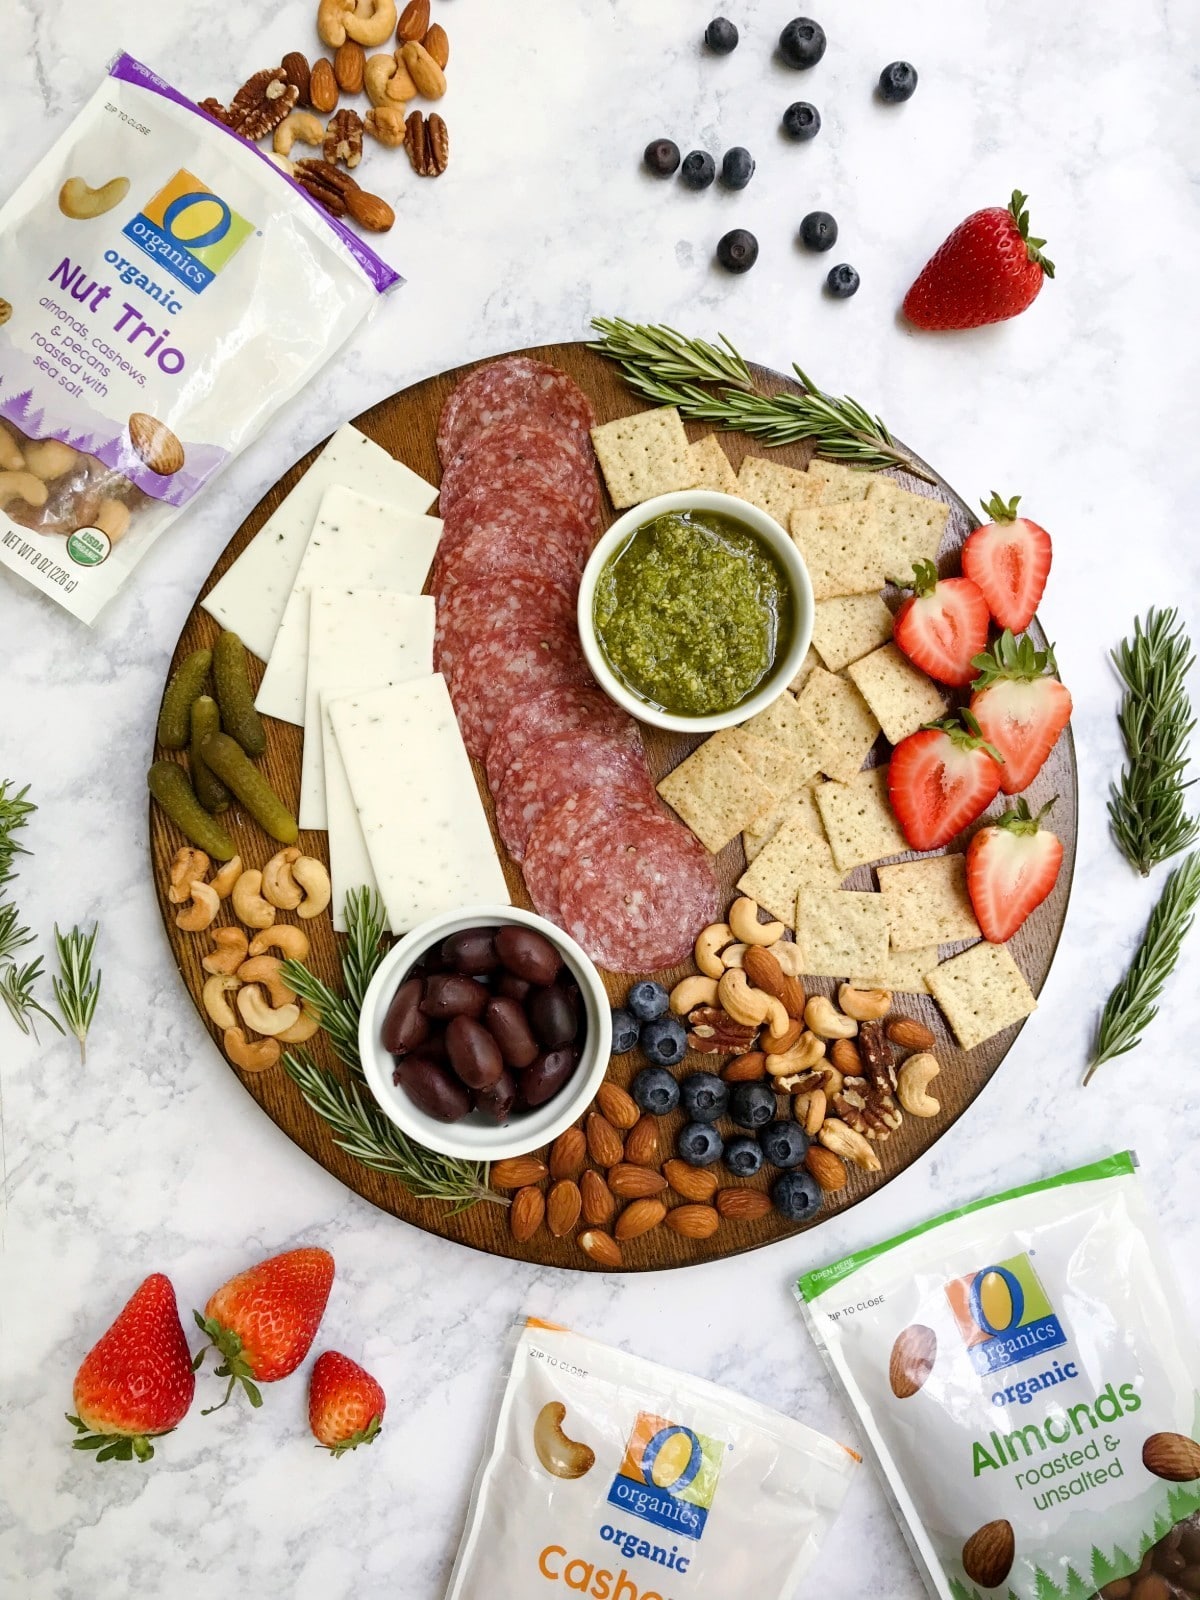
<point x="943" y="625"/>
<point x="264" y="1320"/>
<point x="1012" y="865"/>
<point x="1009" y="559"/>
<point x="1020" y="709"/>
<point x="345" y="1403"/>
<point x="941" y="778"/>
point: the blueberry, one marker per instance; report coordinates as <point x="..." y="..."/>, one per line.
<point x="897" y="82"/>
<point x="699" y="1144"/>
<point x="801" y="121"/>
<point x="698" y="170"/>
<point x="818" y="231"/>
<point x="721" y="36"/>
<point x="802" y="42"/>
<point x="737" y="168"/>
<point x="743" y="1157"/>
<point x="664" y="1041"/>
<point x="704" y="1096"/>
<point x="751" y="1105"/>
<point x="784" y="1144"/>
<point x="655" y="1091"/>
<point x="662" y="157"/>
<point x="648" y="1000"/>
<point x="796" y="1196"/>
<point x="738" y="251"/>
<point x="624" y="1031"/>
<point x="842" y="281"/>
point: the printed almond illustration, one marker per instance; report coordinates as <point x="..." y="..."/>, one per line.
<point x="1172" y="1456"/>
<point x="155" y="444"/>
<point x="913" y="1355"/>
<point x="561" y="1456"/>
<point x="987" y="1556"/>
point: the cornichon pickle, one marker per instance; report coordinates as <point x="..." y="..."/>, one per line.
<point x="174" y="717"/>
<point x="235" y="696"/>
<point x="210" y="791"/>
<point x="170" y="787"/>
<point x="238" y="772"/>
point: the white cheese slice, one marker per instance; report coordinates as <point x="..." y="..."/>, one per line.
<point x="357" y="639"/>
<point x="426" y="831"/>
<point x="355" y="543"/>
<point x="349" y="863"/>
<point x="250" y="597"/>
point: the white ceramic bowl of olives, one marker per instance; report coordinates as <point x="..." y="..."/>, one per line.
<point x="485" y="1033"/>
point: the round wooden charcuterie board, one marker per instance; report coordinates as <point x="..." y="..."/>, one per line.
<point x="405" y="425"/>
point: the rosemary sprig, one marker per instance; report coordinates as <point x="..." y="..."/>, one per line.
<point x="712" y="383"/>
<point x="16" y="990"/>
<point x="15" y="811"/>
<point x="76" y="990"/>
<point x="1133" y="1004"/>
<point x="1146" y="808"/>
<point x="16" y="982"/>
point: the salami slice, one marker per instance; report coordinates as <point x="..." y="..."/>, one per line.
<point x="470" y="612"/>
<point x="535" y="509"/>
<point x="639" y="894"/>
<point x="565" y="830"/>
<point x="514" y="387"/>
<point x="553" y="768"/>
<point x="565" y="709"/>
<point x="517" y="455"/>
<point x="508" y="662"/>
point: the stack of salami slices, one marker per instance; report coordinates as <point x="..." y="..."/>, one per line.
<point x="575" y="803"/>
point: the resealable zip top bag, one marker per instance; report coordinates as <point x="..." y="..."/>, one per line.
<point x="1027" y="1380"/>
<point x="611" y="1477"/>
<point x="164" y="290"/>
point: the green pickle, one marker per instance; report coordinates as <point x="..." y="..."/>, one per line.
<point x="175" y="713"/>
<point x="170" y="787"/>
<point x="234" y="768"/>
<point x="210" y="791"/>
<point x="235" y="696"/>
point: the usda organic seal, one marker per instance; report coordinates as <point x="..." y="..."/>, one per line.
<point x="88" y="547"/>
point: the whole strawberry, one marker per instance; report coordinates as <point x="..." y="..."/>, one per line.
<point x="137" y="1383"/>
<point x="345" y="1404"/>
<point x="988" y="270"/>
<point x="264" y="1320"/>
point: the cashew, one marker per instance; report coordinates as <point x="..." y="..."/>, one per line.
<point x="709" y="946"/>
<point x="745" y="926"/>
<point x="257" y="1014"/>
<point x="224" y="880"/>
<point x="202" y="912"/>
<point x="278" y="885"/>
<point x="256" y="1057"/>
<point x="790" y="957"/>
<point x="734" y="955"/>
<point x="298" y="127"/>
<point x="802" y="1057"/>
<point x="112" y="518"/>
<point x="843" y="1141"/>
<point x="312" y="877"/>
<point x="864" y="1005"/>
<point x="300" y="1032"/>
<point x="561" y="1457"/>
<point x="215" y="1003"/>
<point x="229" y="950"/>
<point x="388" y="83"/>
<point x="809" y="1111"/>
<point x="265" y="970"/>
<point x="22" y="486"/>
<point x="79" y="202"/>
<point x="50" y="458"/>
<point x="249" y="904"/>
<point x="189" y="866"/>
<point x="912" y="1086"/>
<point x="833" y="1084"/>
<point x="751" y="1007"/>
<point x="11" y="459"/>
<point x="387" y="125"/>
<point x="826" y="1021"/>
<point x="284" y="163"/>
<point x="779" y="1023"/>
<point x="290" y="941"/>
<point x="368" y="22"/>
<point x="697" y="991"/>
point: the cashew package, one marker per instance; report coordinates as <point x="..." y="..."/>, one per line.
<point x="606" y="1475"/>
<point x="166" y="290"/>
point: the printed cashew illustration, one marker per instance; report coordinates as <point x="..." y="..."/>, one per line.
<point x="561" y="1457"/>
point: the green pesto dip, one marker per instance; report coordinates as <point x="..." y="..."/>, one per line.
<point x="693" y="612"/>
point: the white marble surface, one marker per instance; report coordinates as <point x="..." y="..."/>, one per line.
<point x="154" y="1157"/>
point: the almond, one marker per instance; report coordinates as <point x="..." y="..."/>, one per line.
<point x="846" y="1058"/>
<point x="641" y="1143"/>
<point x="690" y="1183"/>
<point x="909" y="1034"/>
<point x="634" y="1183"/>
<point x="514" y="1172"/>
<point x="563" y="1205"/>
<point x="369" y="211"/>
<point x="743" y="1205"/>
<point x="424" y="70"/>
<point x="639" y="1217"/>
<point x="829" y="1170"/>
<point x="620" y="1108"/>
<point x="526" y="1213"/>
<point x="763" y="971"/>
<point x="913" y="1355"/>
<point x="603" y="1141"/>
<point x="322" y="86"/>
<point x="349" y="63"/>
<point x="414" y="21"/>
<point x="567" y="1154"/>
<point x="601" y="1247"/>
<point x="745" y="1068"/>
<point x="598" y="1202"/>
<point x="438" y="45"/>
<point x="693" y="1222"/>
<point x="987" y="1556"/>
<point x="1172" y="1456"/>
<point x="786" y="1041"/>
<point x="793" y="997"/>
<point x="296" y="71"/>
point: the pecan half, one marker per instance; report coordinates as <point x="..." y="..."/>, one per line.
<point x="868" y="1109"/>
<point x="261" y="104"/>
<point x="216" y="110"/>
<point x="427" y="143"/>
<point x="328" y="185"/>
<point x="714" y="1032"/>
<point x="344" y="138"/>
<point x="875" y="1052"/>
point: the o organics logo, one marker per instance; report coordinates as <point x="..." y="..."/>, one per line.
<point x="1004" y="1315"/>
<point x="189" y="231"/>
<point x="668" y="1475"/>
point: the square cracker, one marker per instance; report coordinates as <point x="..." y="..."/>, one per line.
<point x="781" y="769"/>
<point x="644" y="455"/>
<point x="793" y="858"/>
<point x="856" y="547"/>
<point x="849" y="626"/>
<point x="982" y="992"/>
<point x="827" y="482"/>
<point x="902" y="697"/>
<point x="915" y="524"/>
<point x="859" y="821"/>
<point x="903" y="973"/>
<point x="840" y="931"/>
<point x="798" y="807"/>
<point x="841" y="723"/>
<point x="811" y="660"/>
<point x="717" y="793"/>
<point x="928" y="902"/>
<point x="784" y="723"/>
<point x="710" y="466"/>
<point x="770" y="486"/>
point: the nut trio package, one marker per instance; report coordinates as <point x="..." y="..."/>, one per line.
<point x="1024" y="1375"/>
<point x="611" y="1477"/>
<point x="164" y="289"/>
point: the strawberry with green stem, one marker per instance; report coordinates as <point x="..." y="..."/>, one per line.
<point x="1020" y="707"/>
<point x="345" y="1404"/>
<point x="1012" y="865"/>
<point x="942" y="625"/>
<point x="941" y="778"/>
<point x="1009" y="558"/>
<point x="264" y="1320"/>
<point x="988" y="270"/>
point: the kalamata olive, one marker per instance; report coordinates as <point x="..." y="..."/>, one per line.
<point x="496" y="1101"/>
<point x="473" y="951"/>
<point x="512" y="987"/>
<point x="405" y="1027"/>
<point x="474" y="1054"/>
<point x="450" y="994"/>
<point x="552" y="1016"/>
<point x="435" y="1046"/>
<point x="525" y="952"/>
<point x="509" y="1026"/>
<point x="547" y="1075"/>
<point x="432" y="1089"/>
